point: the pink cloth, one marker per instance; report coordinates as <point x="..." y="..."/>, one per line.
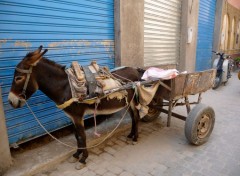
<point x="153" y="73"/>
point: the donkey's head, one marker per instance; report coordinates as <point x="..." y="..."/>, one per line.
<point x="24" y="83"/>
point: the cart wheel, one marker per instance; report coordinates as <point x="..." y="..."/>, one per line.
<point x="152" y="114"/>
<point x="199" y="124"/>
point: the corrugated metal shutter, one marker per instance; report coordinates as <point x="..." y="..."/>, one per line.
<point x="71" y="30"/>
<point x="206" y="21"/>
<point x="162" y="22"/>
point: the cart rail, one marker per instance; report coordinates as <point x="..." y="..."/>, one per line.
<point x="188" y="84"/>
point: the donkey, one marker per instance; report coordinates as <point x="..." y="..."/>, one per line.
<point x="37" y="72"/>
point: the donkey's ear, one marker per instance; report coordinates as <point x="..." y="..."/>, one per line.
<point x="38" y="50"/>
<point x="46" y="50"/>
<point x="36" y="58"/>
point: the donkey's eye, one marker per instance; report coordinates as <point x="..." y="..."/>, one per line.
<point x="19" y="79"/>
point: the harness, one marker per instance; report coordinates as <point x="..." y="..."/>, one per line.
<point x="90" y="99"/>
<point x="28" y="72"/>
<point x="89" y="83"/>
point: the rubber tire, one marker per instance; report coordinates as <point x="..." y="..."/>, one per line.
<point x="228" y="75"/>
<point x="215" y="86"/>
<point x="153" y="114"/>
<point x="192" y="121"/>
<point x="225" y="83"/>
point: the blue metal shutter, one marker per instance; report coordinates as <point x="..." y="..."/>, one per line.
<point x="206" y="21"/>
<point x="71" y="30"/>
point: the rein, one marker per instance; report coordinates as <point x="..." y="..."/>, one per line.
<point x="83" y="148"/>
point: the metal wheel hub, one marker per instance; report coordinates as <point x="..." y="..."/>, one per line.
<point x="217" y="80"/>
<point x="152" y="111"/>
<point x="203" y="126"/>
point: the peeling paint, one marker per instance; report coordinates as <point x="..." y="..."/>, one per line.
<point x="23" y="44"/>
<point x="87" y="43"/>
<point x="74" y="43"/>
<point x="71" y="42"/>
<point x="107" y="43"/>
<point x="3" y="41"/>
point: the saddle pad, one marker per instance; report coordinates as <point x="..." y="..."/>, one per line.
<point x="91" y="80"/>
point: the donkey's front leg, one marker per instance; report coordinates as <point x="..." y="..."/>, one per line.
<point x="75" y="156"/>
<point x="81" y="140"/>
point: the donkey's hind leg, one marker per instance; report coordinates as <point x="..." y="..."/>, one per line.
<point x="135" y="117"/>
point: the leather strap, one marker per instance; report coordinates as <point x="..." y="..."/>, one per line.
<point x="28" y="72"/>
<point x="91" y="81"/>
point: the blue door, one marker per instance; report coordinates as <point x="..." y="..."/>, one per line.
<point x="80" y="30"/>
<point x="206" y="20"/>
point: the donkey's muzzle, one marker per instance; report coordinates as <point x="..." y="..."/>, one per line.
<point x="15" y="101"/>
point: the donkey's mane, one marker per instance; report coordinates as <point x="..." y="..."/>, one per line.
<point x="29" y="54"/>
<point x="45" y="60"/>
<point x="53" y="63"/>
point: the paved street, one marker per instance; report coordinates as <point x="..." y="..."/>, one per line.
<point x="163" y="151"/>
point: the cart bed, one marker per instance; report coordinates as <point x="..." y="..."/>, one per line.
<point x="187" y="84"/>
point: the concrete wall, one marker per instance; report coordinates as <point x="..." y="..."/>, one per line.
<point x="233" y="13"/>
<point x="129" y="16"/>
<point x="129" y="34"/>
<point x="217" y="27"/>
<point x="188" y="50"/>
<point x="5" y="156"/>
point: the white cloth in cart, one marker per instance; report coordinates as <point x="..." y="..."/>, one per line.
<point x="146" y="94"/>
<point x="153" y="73"/>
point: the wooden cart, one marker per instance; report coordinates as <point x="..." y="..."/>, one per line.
<point x="200" y="119"/>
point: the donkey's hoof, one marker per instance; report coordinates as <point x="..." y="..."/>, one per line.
<point x="129" y="140"/>
<point x="72" y="160"/>
<point x="134" y="142"/>
<point x="130" y="136"/>
<point x="80" y="166"/>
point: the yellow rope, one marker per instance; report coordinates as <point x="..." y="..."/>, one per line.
<point x="69" y="102"/>
<point x="66" y="103"/>
<point x="91" y="100"/>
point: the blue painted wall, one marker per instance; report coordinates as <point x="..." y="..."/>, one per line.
<point x="206" y="20"/>
<point x="71" y="30"/>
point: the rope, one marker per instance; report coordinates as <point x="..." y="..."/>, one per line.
<point x="95" y="120"/>
<point x="122" y="77"/>
<point x="70" y="146"/>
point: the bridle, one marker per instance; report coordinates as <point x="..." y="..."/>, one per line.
<point x="28" y="72"/>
